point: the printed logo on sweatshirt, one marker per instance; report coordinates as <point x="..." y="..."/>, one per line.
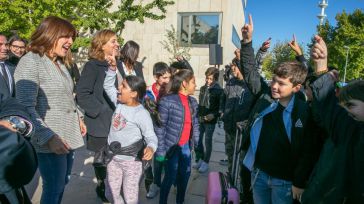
<point x="118" y="121"/>
<point x="298" y="123"/>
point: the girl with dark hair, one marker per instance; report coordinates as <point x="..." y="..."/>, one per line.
<point x="17" y="47"/>
<point x="128" y="64"/>
<point x="177" y="134"/>
<point x="44" y="86"/>
<point x="131" y="126"/>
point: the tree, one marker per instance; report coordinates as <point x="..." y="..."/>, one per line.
<point x="22" y="17"/>
<point x="281" y="52"/>
<point x="173" y="46"/>
<point x="348" y="31"/>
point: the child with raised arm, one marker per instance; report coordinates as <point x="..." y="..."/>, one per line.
<point x="277" y="139"/>
<point x="131" y="124"/>
<point x="338" y="175"/>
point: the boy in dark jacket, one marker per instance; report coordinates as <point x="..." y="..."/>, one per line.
<point x="338" y="175"/>
<point x="235" y="106"/>
<point x="277" y="136"/>
<point x="208" y="112"/>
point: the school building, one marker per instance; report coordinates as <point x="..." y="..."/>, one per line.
<point x="198" y="24"/>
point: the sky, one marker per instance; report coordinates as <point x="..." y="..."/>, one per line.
<point x="280" y="19"/>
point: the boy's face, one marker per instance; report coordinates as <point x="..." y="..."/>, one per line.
<point x="283" y="88"/>
<point x="209" y="80"/>
<point x="164" y="79"/>
<point x="355" y="109"/>
<point x="236" y="71"/>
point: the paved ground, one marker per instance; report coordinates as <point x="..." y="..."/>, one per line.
<point x="81" y="189"/>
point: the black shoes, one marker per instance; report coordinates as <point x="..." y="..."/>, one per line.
<point x="100" y="191"/>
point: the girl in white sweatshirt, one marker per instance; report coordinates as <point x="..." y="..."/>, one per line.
<point x="131" y="122"/>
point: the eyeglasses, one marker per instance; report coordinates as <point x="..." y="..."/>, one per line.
<point x="18" y="47"/>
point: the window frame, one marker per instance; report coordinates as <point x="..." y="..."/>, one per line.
<point x="180" y="15"/>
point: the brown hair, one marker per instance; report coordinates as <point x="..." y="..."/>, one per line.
<point x="99" y="40"/>
<point x="48" y="32"/>
<point x="16" y="38"/>
<point x="69" y="62"/>
<point x="354" y="90"/>
<point x="175" y="83"/>
<point x="294" y="71"/>
<point x="212" y="71"/>
<point x="129" y="53"/>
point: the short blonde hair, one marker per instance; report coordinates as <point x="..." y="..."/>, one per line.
<point x="99" y="40"/>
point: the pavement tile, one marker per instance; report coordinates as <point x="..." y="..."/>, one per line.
<point x="81" y="188"/>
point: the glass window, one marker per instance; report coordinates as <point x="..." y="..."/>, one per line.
<point x="235" y="38"/>
<point x="199" y="28"/>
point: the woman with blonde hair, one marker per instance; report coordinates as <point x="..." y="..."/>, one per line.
<point x="94" y="101"/>
<point x="44" y="86"/>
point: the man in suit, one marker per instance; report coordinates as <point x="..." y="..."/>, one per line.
<point x="7" y="88"/>
<point x="14" y="125"/>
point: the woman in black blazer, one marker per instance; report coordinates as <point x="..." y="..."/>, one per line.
<point x="127" y="65"/>
<point x="94" y="101"/>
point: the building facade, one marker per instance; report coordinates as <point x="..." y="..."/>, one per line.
<point x="198" y="23"/>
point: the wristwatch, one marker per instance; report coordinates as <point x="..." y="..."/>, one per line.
<point x="18" y="124"/>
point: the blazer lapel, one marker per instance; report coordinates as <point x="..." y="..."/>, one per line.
<point x="56" y="74"/>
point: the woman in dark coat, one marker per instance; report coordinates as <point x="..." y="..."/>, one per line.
<point x="128" y="64"/>
<point x="94" y="101"/>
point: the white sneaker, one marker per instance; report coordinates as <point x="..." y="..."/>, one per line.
<point x="153" y="191"/>
<point x="197" y="165"/>
<point x="204" y="167"/>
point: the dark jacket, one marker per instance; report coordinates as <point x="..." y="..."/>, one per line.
<point x="18" y="159"/>
<point x="13" y="59"/>
<point x="92" y="98"/>
<point x="172" y="116"/>
<point x="236" y="103"/>
<point x="301" y="138"/>
<point x="209" y="101"/>
<point x="4" y="89"/>
<point x="339" y="173"/>
<point x="138" y="68"/>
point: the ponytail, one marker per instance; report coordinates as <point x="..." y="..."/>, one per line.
<point x="175" y="84"/>
<point x="138" y="84"/>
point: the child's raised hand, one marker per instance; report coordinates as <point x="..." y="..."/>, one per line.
<point x="319" y="54"/>
<point x="148" y="153"/>
<point x="266" y="45"/>
<point x="294" y="46"/>
<point x="247" y="30"/>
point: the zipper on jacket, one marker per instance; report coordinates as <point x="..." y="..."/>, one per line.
<point x="191" y="131"/>
<point x="183" y="124"/>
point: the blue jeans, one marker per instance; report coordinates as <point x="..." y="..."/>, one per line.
<point x="206" y="129"/>
<point x="177" y="170"/>
<point x="55" y="171"/>
<point x="157" y="171"/>
<point x="269" y="190"/>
